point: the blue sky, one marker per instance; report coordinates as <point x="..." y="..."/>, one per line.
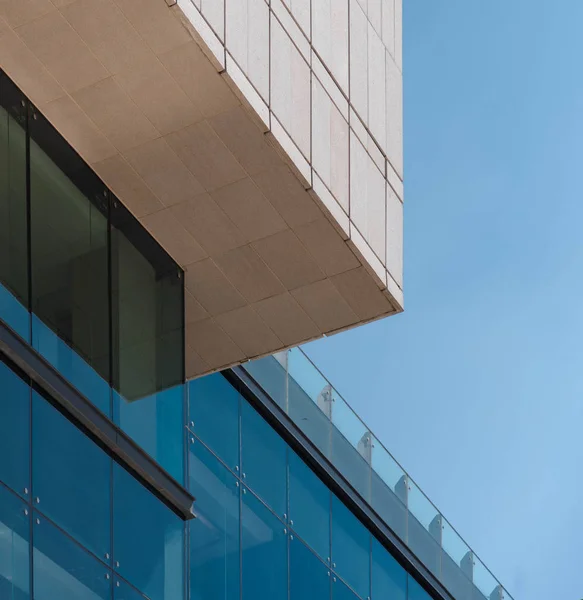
<point x="478" y="387"/>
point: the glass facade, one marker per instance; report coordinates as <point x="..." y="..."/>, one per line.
<point x="85" y="284"/>
<point x="74" y="524"/>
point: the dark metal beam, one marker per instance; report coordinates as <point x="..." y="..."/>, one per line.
<point x="74" y="405"/>
<point x="301" y="444"/>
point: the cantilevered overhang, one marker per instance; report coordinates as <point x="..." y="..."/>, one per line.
<point x="270" y="259"/>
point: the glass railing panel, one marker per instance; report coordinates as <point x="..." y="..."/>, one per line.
<point x="424" y="529"/>
<point x="310" y="380"/>
<point x="351" y="446"/>
<point x="485" y="584"/>
<point x="271" y="374"/>
<point x="389" y="489"/>
<point x="457" y="563"/>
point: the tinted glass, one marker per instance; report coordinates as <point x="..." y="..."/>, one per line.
<point x="213" y="406"/>
<point x="389" y="579"/>
<point x="350" y="548"/>
<point x="71" y="478"/>
<point x="147" y="310"/>
<point x="13" y="218"/>
<point x="415" y="591"/>
<point x="64" y="570"/>
<point x="214" y="534"/>
<point x="308" y="576"/>
<point x="69" y="246"/>
<point x="14" y="548"/>
<point x="70" y="364"/>
<point x="340" y="591"/>
<point x="309" y="506"/>
<point x="263" y="459"/>
<point x="263" y="551"/>
<point x="124" y="591"/>
<point x="156" y="423"/>
<point x="148" y="539"/>
<point x="14" y="430"/>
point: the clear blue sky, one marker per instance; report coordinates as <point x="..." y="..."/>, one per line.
<point x="478" y="387"/>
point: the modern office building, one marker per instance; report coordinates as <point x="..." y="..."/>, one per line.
<point x="189" y="190"/>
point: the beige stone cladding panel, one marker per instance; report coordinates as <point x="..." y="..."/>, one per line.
<point x="138" y="95"/>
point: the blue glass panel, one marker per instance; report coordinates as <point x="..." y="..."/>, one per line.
<point x="71" y="365"/>
<point x="309" y="506"/>
<point x="124" y="591"/>
<point x="62" y="569"/>
<point x="309" y="578"/>
<point x="415" y="591"/>
<point x="214" y="534"/>
<point x="156" y="424"/>
<point x="14" y="549"/>
<point x="14" y="314"/>
<point x="340" y="591"/>
<point x="263" y="459"/>
<point x="389" y="579"/>
<point x="14" y="430"/>
<point x="148" y="539"/>
<point x="214" y="409"/>
<point x="350" y="548"/>
<point x="71" y="478"/>
<point x="263" y="551"/>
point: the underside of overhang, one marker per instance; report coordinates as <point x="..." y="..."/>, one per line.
<point x="135" y="91"/>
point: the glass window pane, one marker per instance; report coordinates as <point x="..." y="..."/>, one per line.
<point x="213" y="407"/>
<point x="214" y="534"/>
<point x="340" y="591"/>
<point x="415" y="591"/>
<point x="124" y="591"/>
<point x="350" y="548"/>
<point x="74" y="368"/>
<point x="147" y="311"/>
<point x="308" y="576"/>
<point x="148" y="539"/>
<point x="69" y="245"/>
<point x="389" y="579"/>
<point x="263" y="459"/>
<point x="156" y="423"/>
<point x="14" y="548"/>
<point x="62" y="569"/>
<point x="263" y="551"/>
<point x="309" y="506"/>
<point x="71" y="478"/>
<point x="14" y="430"/>
<point x="13" y="219"/>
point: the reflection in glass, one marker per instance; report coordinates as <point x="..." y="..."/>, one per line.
<point x="13" y="219"/>
<point x="214" y="534"/>
<point x="147" y="310"/>
<point x="123" y="591"/>
<point x="148" y="539"/>
<point x="263" y="551"/>
<point x="69" y="247"/>
<point x="415" y="591"/>
<point x="309" y="506"/>
<point x="14" y="549"/>
<point x="350" y="548"/>
<point x="14" y="430"/>
<point x="263" y="459"/>
<point x="156" y="423"/>
<point x="213" y="409"/>
<point x="389" y="579"/>
<point x="71" y="478"/>
<point x="62" y="569"/>
<point x="308" y="576"/>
